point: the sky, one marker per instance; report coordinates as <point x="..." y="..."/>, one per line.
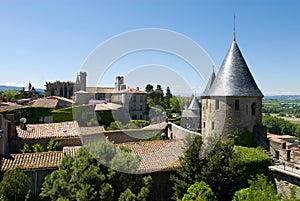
<point x="49" y="40"/>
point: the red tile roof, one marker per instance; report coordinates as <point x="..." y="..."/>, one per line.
<point x="32" y="160"/>
<point x="58" y="130"/>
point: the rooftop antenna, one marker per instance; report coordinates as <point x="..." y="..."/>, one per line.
<point x="234" y="38"/>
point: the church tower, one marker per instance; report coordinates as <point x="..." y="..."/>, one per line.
<point x="231" y="99"/>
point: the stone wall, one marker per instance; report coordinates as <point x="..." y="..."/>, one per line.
<point x="224" y="117"/>
<point x="283" y="184"/>
<point x="177" y="132"/>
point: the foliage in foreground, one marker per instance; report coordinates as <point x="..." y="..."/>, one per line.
<point x="199" y="191"/>
<point x="86" y="176"/>
<point x="15" y="185"/>
<point x="219" y="169"/>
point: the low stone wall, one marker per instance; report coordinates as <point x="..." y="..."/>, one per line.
<point x="177" y="132"/>
<point x="283" y="184"/>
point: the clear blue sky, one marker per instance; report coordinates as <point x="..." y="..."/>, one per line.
<point x="49" y="40"/>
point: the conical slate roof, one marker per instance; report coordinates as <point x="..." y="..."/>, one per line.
<point x="209" y="84"/>
<point x="194" y="105"/>
<point x="234" y="77"/>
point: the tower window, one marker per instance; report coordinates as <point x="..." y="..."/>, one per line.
<point x="203" y="124"/>
<point x="253" y="106"/>
<point x="212" y="125"/>
<point x="217" y="104"/>
<point x="236" y="105"/>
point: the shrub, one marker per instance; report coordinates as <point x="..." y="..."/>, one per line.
<point x="54" y="145"/>
<point x="37" y="148"/>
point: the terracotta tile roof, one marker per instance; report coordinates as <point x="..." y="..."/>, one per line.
<point x="32" y="160"/>
<point x="9" y="106"/>
<point x="71" y="151"/>
<point x="44" y="102"/>
<point x="271" y="135"/>
<point x="58" y="130"/>
<point x="157" y="155"/>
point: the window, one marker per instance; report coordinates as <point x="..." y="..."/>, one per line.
<point x="203" y="124"/>
<point x="236" y="105"/>
<point x="217" y="104"/>
<point x="212" y="125"/>
<point x="141" y="107"/>
<point x="253" y="106"/>
<point x="141" y="116"/>
<point x="134" y="98"/>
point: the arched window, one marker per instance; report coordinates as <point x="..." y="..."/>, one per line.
<point x="253" y="106"/>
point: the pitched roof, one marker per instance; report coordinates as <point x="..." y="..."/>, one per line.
<point x="32" y="160"/>
<point x="130" y="91"/>
<point x="43" y="102"/>
<point x="234" y="77"/>
<point x="194" y="105"/>
<point x="156" y="155"/>
<point x="107" y="106"/>
<point x="209" y="84"/>
<point x="58" y="130"/>
<point x="9" y="106"/>
<point x="107" y="90"/>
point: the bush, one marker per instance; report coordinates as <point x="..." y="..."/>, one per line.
<point x="243" y="138"/>
<point x="54" y="145"/>
<point x="33" y="115"/>
<point x="252" y="161"/>
<point x="26" y="149"/>
<point x="37" y="148"/>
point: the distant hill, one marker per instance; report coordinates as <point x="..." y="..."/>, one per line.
<point x="4" y="88"/>
<point x="283" y="97"/>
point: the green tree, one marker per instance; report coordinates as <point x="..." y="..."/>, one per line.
<point x="87" y="176"/>
<point x="278" y="126"/>
<point x="26" y="149"/>
<point x="219" y="169"/>
<point x="54" y="145"/>
<point x="10" y="94"/>
<point x="15" y="185"/>
<point x="37" y="148"/>
<point x="149" y="88"/>
<point x="199" y="191"/>
<point x="259" y="189"/>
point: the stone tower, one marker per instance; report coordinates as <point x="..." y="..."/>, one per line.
<point x="231" y="99"/>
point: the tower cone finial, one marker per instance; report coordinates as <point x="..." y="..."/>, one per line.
<point x="234" y="37"/>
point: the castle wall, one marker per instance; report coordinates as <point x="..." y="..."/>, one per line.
<point x="229" y="114"/>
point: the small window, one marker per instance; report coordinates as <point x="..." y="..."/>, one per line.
<point x="237" y="105"/>
<point x="253" y="107"/>
<point x="212" y="125"/>
<point x="141" y="107"/>
<point x="217" y="104"/>
<point x="203" y="124"/>
<point x="141" y="116"/>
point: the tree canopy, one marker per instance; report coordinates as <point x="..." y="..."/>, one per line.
<point x="15" y="185"/>
<point x="88" y="176"/>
